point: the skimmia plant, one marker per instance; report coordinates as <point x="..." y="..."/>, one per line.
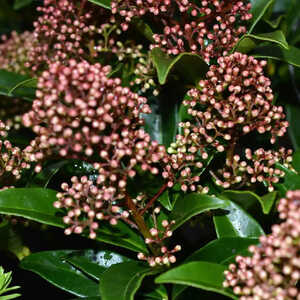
<point x="160" y="138"/>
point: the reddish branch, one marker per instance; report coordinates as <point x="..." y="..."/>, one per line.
<point x="150" y="203"/>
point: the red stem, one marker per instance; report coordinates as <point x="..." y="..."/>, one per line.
<point x="150" y="203"/>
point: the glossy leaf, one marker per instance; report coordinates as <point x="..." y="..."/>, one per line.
<point x="296" y="160"/>
<point x="52" y="266"/>
<point x="268" y="201"/>
<point x="162" y="123"/>
<point x="21" y="3"/>
<point x="43" y="178"/>
<point x="102" y="3"/>
<point x="31" y="203"/>
<point x="222" y="249"/>
<point x="143" y="28"/>
<point x="236" y="223"/>
<point x="218" y="251"/>
<point x="204" y="275"/>
<point x="37" y="204"/>
<point x="259" y="8"/>
<point x="192" y="205"/>
<point x="169" y="122"/>
<point x="293" y="112"/>
<point x="121" y="281"/>
<point x="247" y="198"/>
<point x="291" y="180"/>
<point x="245" y="44"/>
<point x="123" y="236"/>
<point x="13" y="84"/>
<point x="165" y="64"/>
<point x="276" y="37"/>
<point x="291" y="56"/>
<point x="94" y="263"/>
<point x="276" y="22"/>
<point x="164" y="200"/>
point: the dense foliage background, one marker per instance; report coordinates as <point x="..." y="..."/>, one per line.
<point x="211" y="227"/>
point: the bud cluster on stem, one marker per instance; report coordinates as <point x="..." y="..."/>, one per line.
<point x="273" y="270"/>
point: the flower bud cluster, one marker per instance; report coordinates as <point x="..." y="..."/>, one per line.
<point x="76" y="106"/>
<point x="103" y="199"/>
<point x="157" y="239"/>
<point x="63" y="31"/>
<point x="273" y="271"/>
<point x="81" y="113"/>
<point x="210" y="28"/>
<point x="14" y="51"/>
<point x="234" y="100"/>
<point x="257" y="167"/>
<point x="12" y="161"/>
<point x="186" y="161"/>
<point x="87" y="205"/>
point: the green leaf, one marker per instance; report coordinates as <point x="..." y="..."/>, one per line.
<point x="259" y="8"/>
<point x="102" y="3"/>
<point x="5" y="280"/>
<point x="291" y="180"/>
<point x="291" y="56"/>
<point x="236" y="223"/>
<point x="12" y="296"/>
<point x="43" y="178"/>
<point x="121" y="281"/>
<point x="192" y="205"/>
<point x="121" y="235"/>
<point x="245" y="45"/>
<point x="221" y="249"/>
<point x="94" y="263"/>
<point x="276" y="22"/>
<point x="31" y="203"/>
<point x="182" y="63"/>
<point x="268" y="201"/>
<point x="276" y="37"/>
<point x="164" y="200"/>
<point x="204" y="275"/>
<point x="247" y="198"/>
<point x="162" y="123"/>
<point x="37" y="204"/>
<point x="143" y="28"/>
<point x="21" y="3"/>
<point x="218" y="251"/>
<point x="293" y="112"/>
<point x="52" y="266"/>
<point x="13" y="84"/>
<point x="296" y="161"/>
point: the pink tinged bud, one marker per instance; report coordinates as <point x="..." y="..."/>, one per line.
<point x="92" y="235"/>
<point x="113" y="221"/>
<point x="172" y="259"/>
<point x="78" y="229"/>
<point x="68" y="231"/>
<point x="122" y="183"/>
<point x="141" y="256"/>
<point x="153" y="231"/>
<point x="57" y="204"/>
